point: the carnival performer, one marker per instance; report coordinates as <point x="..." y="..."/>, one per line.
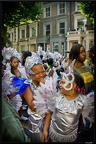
<point x="67" y="107"/>
<point x="78" y="54"/>
<point x="13" y="71"/>
<point x="25" y="54"/>
<point x="7" y="53"/>
<point x="34" y="67"/>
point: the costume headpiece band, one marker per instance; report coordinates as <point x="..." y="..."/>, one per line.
<point x="66" y="76"/>
<point x="31" y="61"/>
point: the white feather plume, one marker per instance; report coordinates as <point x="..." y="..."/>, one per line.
<point x="45" y="96"/>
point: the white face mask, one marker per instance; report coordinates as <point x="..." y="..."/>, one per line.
<point x="67" y="80"/>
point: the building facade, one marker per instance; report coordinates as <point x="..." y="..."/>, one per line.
<point x="60" y="26"/>
<point x="54" y="24"/>
<point x="80" y="33"/>
<point x="24" y="37"/>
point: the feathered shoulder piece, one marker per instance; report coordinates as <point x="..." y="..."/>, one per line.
<point x="20" y="84"/>
<point x="88" y="109"/>
<point x="45" y="96"/>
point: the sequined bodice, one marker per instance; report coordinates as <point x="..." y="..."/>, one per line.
<point x="36" y="119"/>
<point x="30" y="112"/>
<point x="66" y="116"/>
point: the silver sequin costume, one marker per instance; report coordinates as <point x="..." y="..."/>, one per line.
<point x="35" y="124"/>
<point x="64" y="123"/>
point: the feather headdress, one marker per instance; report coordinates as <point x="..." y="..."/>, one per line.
<point x="7" y="53"/>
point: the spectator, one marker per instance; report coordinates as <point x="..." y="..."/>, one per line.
<point x="91" y="56"/>
<point x="25" y="54"/>
<point x="12" y="129"/>
<point x="78" y="54"/>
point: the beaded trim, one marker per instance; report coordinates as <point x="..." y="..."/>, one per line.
<point x="62" y="138"/>
<point x="68" y="106"/>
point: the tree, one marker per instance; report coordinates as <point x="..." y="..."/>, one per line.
<point x="14" y="12"/>
<point x="87" y="8"/>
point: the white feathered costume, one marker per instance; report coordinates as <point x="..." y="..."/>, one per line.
<point x="65" y="118"/>
<point x="7" y="89"/>
<point x="66" y="113"/>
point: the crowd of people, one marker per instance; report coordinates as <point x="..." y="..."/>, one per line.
<point x="59" y="95"/>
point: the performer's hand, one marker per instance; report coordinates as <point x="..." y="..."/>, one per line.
<point x="42" y="80"/>
<point x="45" y="136"/>
<point x="7" y="98"/>
<point x="11" y="95"/>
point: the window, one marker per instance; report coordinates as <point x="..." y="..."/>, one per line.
<point x="12" y="37"/>
<point x="77" y="7"/>
<point x="80" y="24"/>
<point x="76" y="42"/>
<point x="47" y="30"/>
<point x="22" y="47"/>
<point x="55" y="46"/>
<point x="15" y="35"/>
<point x="91" y="43"/>
<point x="22" y="34"/>
<point x="62" y="8"/>
<point x="62" y="28"/>
<point x="47" y="11"/>
<point x="33" y="31"/>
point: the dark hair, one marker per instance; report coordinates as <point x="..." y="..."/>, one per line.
<point x="75" y="51"/>
<point x="50" y="61"/>
<point x="78" y="80"/>
<point x="91" y="49"/>
<point x="2" y="57"/>
<point x="80" y="83"/>
<point x="25" y="54"/>
<point x="41" y="56"/>
<point x="11" y="59"/>
<point x="59" y="70"/>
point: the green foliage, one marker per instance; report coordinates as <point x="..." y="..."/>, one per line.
<point x="87" y="8"/>
<point x="14" y="13"/>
